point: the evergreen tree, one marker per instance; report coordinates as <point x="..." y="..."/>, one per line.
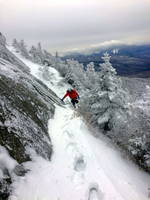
<point x="70" y="75"/>
<point x="107" y="103"/>
<point x="56" y="55"/>
<point x="40" y="53"/>
<point x="16" y="45"/>
<point x="23" y="49"/>
<point x="34" y="55"/>
<point x="62" y="67"/>
<point x="91" y="75"/>
<point x="75" y="73"/>
<point x="48" y="57"/>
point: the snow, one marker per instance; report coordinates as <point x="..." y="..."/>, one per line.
<point x="83" y="167"/>
<point x="6" y="162"/>
<point x="7" y="72"/>
<point x="115" y="51"/>
<point x="55" y="80"/>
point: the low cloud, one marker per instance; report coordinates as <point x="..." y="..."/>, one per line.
<point x="75" y="24"/>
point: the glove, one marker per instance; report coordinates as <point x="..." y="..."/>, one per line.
<point x="78" y="97"/>
<point x="62" y="100"/>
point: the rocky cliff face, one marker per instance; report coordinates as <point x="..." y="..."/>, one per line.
<point x="26" y="104"/>
<point x="25" y="107"/>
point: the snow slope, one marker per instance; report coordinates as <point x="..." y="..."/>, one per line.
<point x="82" y="166"/>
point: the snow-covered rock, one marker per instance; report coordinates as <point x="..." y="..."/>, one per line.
<point x="26" y="105"/>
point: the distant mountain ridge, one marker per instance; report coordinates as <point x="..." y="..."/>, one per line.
<point x="129" y="60"/>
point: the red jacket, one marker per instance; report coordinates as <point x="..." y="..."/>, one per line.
<point x="72" y="94"/>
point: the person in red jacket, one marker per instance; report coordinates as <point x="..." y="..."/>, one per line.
<point x="72" y="93"/>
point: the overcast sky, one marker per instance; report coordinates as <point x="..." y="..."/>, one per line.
<point x="75" y="24"/>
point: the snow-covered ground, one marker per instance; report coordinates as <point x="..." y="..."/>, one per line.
<point x="82" y="166"/>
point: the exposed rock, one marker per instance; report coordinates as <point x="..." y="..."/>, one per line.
<point x="20" y="170"/>
<point x="26" y="105"/>
<point x="4" y="188"/>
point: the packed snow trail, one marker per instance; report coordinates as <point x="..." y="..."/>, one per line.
<point x="82" y="166"/>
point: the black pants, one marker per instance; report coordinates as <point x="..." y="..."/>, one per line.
<point x="74" y="101"/>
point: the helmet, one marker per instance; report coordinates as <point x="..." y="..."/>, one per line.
<point x="69" y="90"/>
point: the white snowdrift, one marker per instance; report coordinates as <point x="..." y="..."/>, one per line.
<point x="6" y="162"/>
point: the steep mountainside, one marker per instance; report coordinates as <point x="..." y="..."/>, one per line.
<point x="26" y="105"/>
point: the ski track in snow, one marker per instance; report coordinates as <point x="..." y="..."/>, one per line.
<point x="82" y="166"/>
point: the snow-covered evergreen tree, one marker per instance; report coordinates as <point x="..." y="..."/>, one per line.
<point x="47" y="54"/>
<point x="76" y="73"/>
<point x="48" y="58"/>
<point x="16" y="45"/>
<point x="90" y="69"/>
<point x="34" y="55"/>
<point x="107" y="103"/>
<point x="40" y="53"/>
<point x="70" y="75"/>
<point x="23" y="49"/>
<point x="92" y="76"/>
<point x="44" y="69"/>
<point x="62" y="67"/>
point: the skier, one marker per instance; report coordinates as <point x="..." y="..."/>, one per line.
<point x="73" y="96"/>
